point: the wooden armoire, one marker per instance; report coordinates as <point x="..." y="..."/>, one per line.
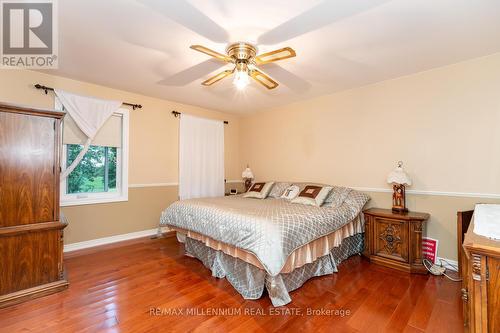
<point x="31" y="232"/>
<point x="479" y="260"/>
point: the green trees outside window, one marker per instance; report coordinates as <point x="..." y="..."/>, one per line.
<point x="96" y="172"/>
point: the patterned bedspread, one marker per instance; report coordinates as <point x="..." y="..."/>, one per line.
<point x="271" y="229"/>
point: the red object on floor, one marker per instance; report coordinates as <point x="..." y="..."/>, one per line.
<point x="429" y="248"/>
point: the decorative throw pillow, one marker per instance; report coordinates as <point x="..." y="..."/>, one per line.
<point x="259" y="190"/>
<point x="278" y="189"/>
<point x="291" y="192"/>
<point x="312" y="195"/>
<point x="337" y="196"/>
<point x="303" y="185"/>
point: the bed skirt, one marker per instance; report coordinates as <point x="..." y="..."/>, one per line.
<point x="250" y="280"/>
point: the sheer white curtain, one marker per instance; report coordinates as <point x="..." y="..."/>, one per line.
<point x="201" y="157"/>
<point x="89" y="114"/>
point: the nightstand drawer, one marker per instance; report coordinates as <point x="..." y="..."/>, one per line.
<point x="391" y="239"/>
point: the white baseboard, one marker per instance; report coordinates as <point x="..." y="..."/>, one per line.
<point x="448" y="263"/>
<point x="108" y="240"/>
<point x="438" y="193"/>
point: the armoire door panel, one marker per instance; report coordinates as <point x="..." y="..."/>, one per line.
<point x="30" y="259"/>
<point x="27" y="169"/>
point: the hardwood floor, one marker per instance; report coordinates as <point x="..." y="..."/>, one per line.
<point x="125" y="289"/>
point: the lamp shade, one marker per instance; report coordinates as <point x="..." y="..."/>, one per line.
<point x="247" y="174"/>
<point x="399" y="176"/>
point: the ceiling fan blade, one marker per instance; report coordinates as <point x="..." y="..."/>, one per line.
<point x="190" y="17"/>
<point x="284" y="53"/>
<point x="292" y="81"/>
<point x="216" y="78"/>
<point x="323" y="14"/>
<point x="191" y="74"/>
<point x="211" y="53"/>
<point x="263" y="79"/>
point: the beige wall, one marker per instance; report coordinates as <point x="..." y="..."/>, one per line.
<point x="153" y="157"/>
<point x="444" y="124"/>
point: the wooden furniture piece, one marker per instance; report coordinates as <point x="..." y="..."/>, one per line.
<point x="480" y="261"/>
<point x="395" y="239"/>
<point x="463" y="222"/>
<point x="31" y="233"/>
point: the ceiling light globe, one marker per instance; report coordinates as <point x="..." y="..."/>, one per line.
<point x="241" y="79"/>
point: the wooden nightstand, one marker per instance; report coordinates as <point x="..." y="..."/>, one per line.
<point x="395" y="239"/>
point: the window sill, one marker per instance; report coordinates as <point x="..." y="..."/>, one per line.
<point x="91" y="201"/>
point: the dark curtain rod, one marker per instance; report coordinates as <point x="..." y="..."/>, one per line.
<point x="46" y="89"/>
<point x="177" y="114"/>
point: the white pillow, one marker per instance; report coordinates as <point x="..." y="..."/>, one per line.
<point x="278" y="189"/>
<point x="313" y="195"/>
<point x="259" y="190"/>
<point x="291" y="192"/>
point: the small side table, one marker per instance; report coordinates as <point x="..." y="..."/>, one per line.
<point x="395" y="239"/>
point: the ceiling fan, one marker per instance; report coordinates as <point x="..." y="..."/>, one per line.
<point x="244" y="57"/>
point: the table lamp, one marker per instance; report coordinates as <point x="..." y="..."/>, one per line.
<point x="247" y="174"/>
<point x="399" y="180"/>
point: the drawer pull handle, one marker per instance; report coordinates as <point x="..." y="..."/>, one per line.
<point x="465" y="295"/>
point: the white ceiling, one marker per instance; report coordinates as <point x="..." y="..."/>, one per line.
<point x="143" y="45"/>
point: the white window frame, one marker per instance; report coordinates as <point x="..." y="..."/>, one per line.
<point x="76" y="199"/>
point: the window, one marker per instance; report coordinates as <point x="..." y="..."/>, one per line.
<point x="102" y="174"/>
<point x="96" y="172"/>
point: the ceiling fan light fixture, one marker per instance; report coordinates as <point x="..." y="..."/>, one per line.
<point x="241" y="77"/>
<point x="244" y="57"/>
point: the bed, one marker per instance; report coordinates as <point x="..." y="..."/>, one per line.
<point x="268" y="243"/>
